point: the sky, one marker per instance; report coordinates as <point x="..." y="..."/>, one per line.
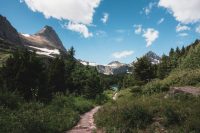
<point x="102" y="31"/>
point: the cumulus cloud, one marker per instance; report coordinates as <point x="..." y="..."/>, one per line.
<point x="105" y="18"/>
<point x="150" y="36"/>
<point x="147" y="10"/>
<point x="122" y="54"/>
<point x="138" y="29"/>
<point x="184" y="11"/>
<point x="197" y="29"/>
<point x="161" y="21"/>
<point x="78" y="12"/>
<point x="80" y="28"/>
<point x="180" y="28"/>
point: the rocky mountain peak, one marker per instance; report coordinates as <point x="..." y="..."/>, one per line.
<point x="115" y="63"/>
<point x="153" y="57"/>
<point x="49" y="33"/>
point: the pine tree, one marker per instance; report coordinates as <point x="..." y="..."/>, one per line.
<point x="23" y="72"/>
<point x="56" y="76"/>
<point x="164" y="67"/>
<point x="143" y="70"/>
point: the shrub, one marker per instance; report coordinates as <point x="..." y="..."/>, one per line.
<point x="136" y="116"/>
<point x="136" y="89"/>
<point x="10" y="100"/>
<point x="62" y="113"/>
<point x="172" y="117"/>
<point x="155" y="86"/>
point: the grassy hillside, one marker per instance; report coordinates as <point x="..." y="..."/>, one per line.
<point x="150" y="108"/>
<point x="3" y="57"/>
<point x="134" y="112"/>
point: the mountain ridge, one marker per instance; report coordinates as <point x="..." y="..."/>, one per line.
<point x="45" y="38"/>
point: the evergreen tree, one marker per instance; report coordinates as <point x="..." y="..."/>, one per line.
<point x="23" y="72"/>
<point x="143" y="70"/>
<point x="56" y="75"/>
<point x="164" y="67"/>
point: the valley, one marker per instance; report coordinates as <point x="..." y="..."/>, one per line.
<point x="45" y="89"/>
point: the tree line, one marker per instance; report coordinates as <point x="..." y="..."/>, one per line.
<point x="144" y="71"/>
<point x="40" y="78"/>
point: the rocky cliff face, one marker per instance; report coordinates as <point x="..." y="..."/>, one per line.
<point x="46" y="41"/>
<point x="45" y="38"/>
<point x="153" y="57"/>
<point x="112" y="68"/>
<point x="8" y="32"/>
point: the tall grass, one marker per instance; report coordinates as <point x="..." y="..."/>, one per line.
<point x="141" y="113"/>
<point x="61" y="114"/>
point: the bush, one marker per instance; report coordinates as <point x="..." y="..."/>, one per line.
<point x="10" y="100"/>
<point x="62" y="113"/>
<point x="179" y="113"/>
<point x="101" y="99"/>
<point x="183" y="77"/>
<point x="121" y="117"/>
<point x="136" y="116"/>
<point x="136" y="89"/>
<point x="172" y="117"/>
<point x="155" y="86"/>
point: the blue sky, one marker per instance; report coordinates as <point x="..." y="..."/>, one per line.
<point x="105" y="30"/>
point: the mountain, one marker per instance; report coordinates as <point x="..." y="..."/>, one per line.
<point x="153" y="57"/>
<point x="45" y="38"/>
<point x="8" y="32"/>
<point x="45" y="42"/>
<point x="111" y="68"/>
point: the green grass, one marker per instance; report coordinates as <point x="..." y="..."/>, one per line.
<point x="61" y="114"/>
<point x="3" y="57"/>
<point x="179" y="77"/>
<point x="140" y="113"/>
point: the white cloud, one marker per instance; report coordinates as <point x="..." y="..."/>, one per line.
<point x="180" y="28"/>
<point x="147" y="10"/>
<point x="150" y="36"/>
<point x="79" y="13"/>
<point x="21" y="1"/>
<point x="138" y="29"/>
<point x="184" y="11"/>
<point x="105" y="18"/>
<point x="81" y="28"/>
<point x="183" y="34"/>
<point x="161" y="21"/>
<point x="197" y="29"/>
<point x="122" y="54"/>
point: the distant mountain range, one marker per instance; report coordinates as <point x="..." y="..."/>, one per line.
<point x="117" y="67"/>
<point x="47" y="43"/>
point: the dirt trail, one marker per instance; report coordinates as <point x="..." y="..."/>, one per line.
<point x="188" y="90"/>
<point x="86" y="123"/>
<point x="115" y="96"/>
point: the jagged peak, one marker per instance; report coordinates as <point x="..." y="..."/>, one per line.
<point x="114" y="62"/>
<point x="46" y="30"/>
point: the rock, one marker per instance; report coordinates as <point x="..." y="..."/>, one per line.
<point x="45" y="38"/>
<point x="8" y="32"/>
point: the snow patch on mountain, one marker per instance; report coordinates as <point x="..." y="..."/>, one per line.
<point x="45" y="51"/>
<point x="26" y="35"/>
